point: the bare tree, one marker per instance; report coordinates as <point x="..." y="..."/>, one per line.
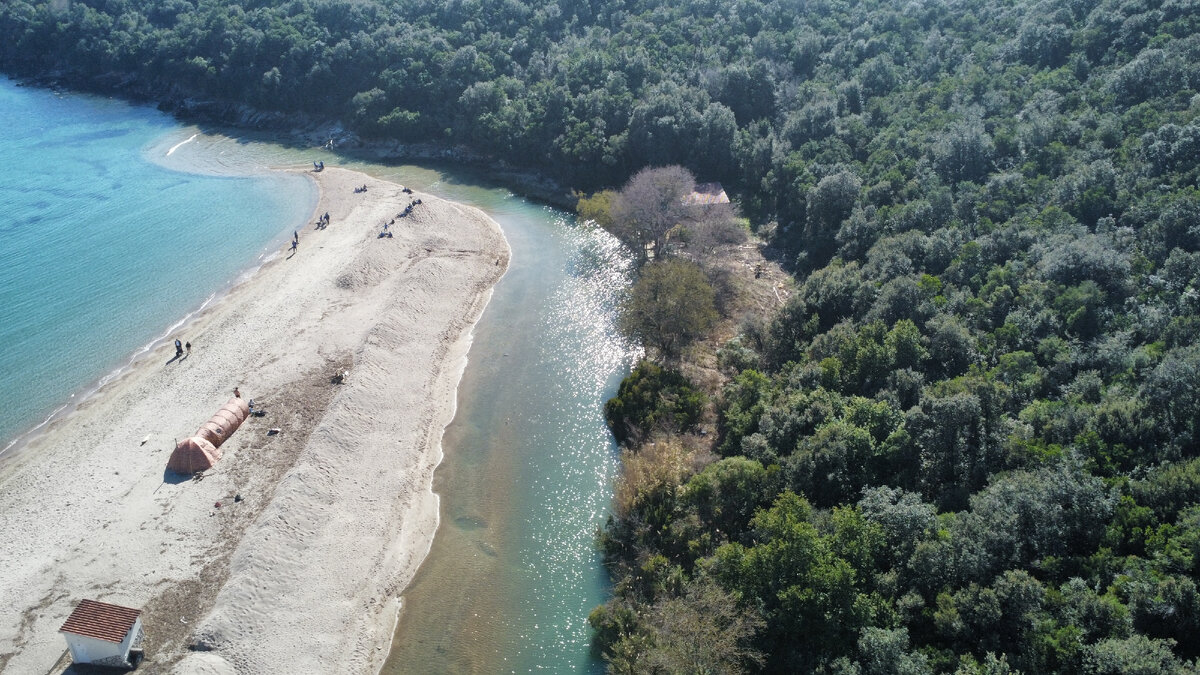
<point x="712" y="226"/>
<point x="703" y="632"/>
<point x="652" y="203"/>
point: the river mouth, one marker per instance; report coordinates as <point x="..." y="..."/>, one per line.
<point x="528" y="464"/>
<point x="526" y="479"/>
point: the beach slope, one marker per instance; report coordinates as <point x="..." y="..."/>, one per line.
<point x="290" y="554"/>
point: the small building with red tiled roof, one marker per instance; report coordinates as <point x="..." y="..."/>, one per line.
<point x="104" y="634"/>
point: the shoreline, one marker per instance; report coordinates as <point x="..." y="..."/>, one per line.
<point x="12" y="445"/>
<point x="307" y="130"/>
<point x="400" y="313"/>
<point x="80" y="396"/>
<point x="93" y="388"/>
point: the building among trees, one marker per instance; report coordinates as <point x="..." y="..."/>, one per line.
<point x="707" y="193"/>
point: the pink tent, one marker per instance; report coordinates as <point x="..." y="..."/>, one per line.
<point x="227" y="419"/>
<point x="213" y="432"/>
<point x="201" y="452"/>
<point x="193" y="455"/>
<point x="239" y="407"/>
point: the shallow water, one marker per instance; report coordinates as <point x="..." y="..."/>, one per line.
<point x="103" y="249"/>
<point x="529" y="463"/>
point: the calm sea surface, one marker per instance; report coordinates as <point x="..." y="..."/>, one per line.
<point x="103" y="250"/>
<point x="529" y="464"/>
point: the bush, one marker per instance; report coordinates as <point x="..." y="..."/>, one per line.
<point x="653" y="398"/>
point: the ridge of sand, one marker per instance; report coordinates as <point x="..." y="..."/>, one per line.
<point x="303" y="573"/>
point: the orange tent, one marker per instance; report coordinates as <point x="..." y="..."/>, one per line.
<point x="227" y="419"/>
<point x="201" y="452"/>
<point x="239" y="407"/>
<point x="213" y="432"/>
<point x="224" y="422"/>
<point x="193" y="455"/>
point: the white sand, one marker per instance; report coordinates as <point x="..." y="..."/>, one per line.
<point x="304" y="574"/>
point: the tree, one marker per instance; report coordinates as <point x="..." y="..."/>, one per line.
<point x="885" y="652"/>
<point x="705" y="631"/>
<point x="650" y="205"/>
<point x="727" y="493"/>
<point x="809" y="585"/>
<point x="671" y="305"/>
<point x="712" y="226"/>
<point x="903" y="518"/>
<point x="653" y="398"/>
<point x="964" y="151"/>
<point x="1135" y="655"/>
<point x="828" y="204"/>
<point x="597" y="208"/>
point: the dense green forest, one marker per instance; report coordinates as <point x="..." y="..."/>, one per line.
<point x="968" y="442"/>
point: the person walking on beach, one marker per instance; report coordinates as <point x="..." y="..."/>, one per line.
<point x="188" y="347"/>
<point x="178" y="348"/>
<point x="236" y="393"/>
<point x="295" y="243"/>
<point x="296" y="236"/>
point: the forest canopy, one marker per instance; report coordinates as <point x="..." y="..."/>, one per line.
<point x="968" y="442"/>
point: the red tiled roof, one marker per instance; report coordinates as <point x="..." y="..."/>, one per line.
<point x="101" y="620"/>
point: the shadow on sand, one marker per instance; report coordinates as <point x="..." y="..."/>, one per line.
<point x="172" y="478"/>
<point x="89" y="669"/>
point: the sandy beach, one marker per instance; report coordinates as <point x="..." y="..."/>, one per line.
<point x="291" y="554"/>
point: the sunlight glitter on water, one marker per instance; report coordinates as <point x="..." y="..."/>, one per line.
<point x="578" y="464"/>
<point x="527" y="479"/>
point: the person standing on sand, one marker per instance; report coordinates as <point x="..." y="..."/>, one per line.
<point x="236" y="393"/>
<point x="178" y="348"/>
<point x="188" y="347"/>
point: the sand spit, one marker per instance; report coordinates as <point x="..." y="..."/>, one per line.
<point x="320" y="526"/>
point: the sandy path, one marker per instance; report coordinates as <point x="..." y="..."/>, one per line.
<point x="303" y="574"/>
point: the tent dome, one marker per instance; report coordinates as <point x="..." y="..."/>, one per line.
<point x="213" y="432"/>
<point x="193" y="455"/>
<point x="227" y="419"/>
<point x="238" y="406"/>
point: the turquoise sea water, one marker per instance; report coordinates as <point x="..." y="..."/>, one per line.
<point x="103" y="250"/>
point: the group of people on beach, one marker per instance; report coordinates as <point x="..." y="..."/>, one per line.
<point x="360" y="189"/>
<point x="319" y="166"/>
<point x="323" y="221"/>
<point x="407" y="210"/>
<point x="179" y="347"/>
